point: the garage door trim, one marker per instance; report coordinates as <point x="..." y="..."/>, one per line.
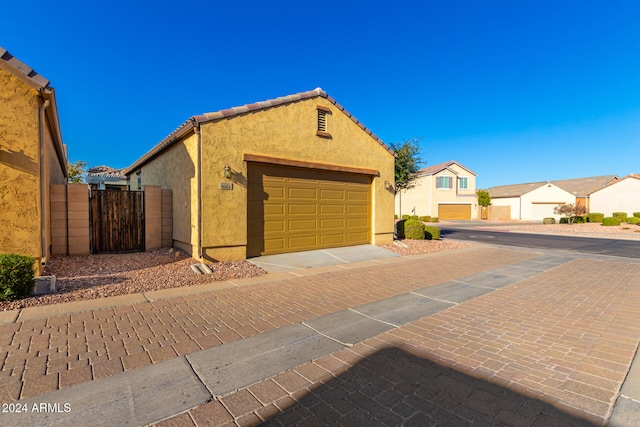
<point x="257" y="158"/>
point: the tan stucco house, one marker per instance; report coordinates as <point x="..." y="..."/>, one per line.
<point x="446" y="190"/>
<point x="32" y="157"/>
<point x="537" y="200"/>
<point x="288" y="174"/>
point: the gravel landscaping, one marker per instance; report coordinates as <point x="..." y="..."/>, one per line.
<point x="99" y="276"/>
<point x="586" y="229"/>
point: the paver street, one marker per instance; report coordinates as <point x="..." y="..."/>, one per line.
<point x="480" y="336"/>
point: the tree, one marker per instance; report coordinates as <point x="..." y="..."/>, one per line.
<point x="570" y="211"/>
<point x="484" y="199"/>
<point x="76" y="171"/>
<point x="407" y="163"/>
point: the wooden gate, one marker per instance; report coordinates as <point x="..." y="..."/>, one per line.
<point x="117" y="221"/>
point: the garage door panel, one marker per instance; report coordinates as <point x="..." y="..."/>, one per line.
<point x="328" y="224"/>
<point x="297" y="209"/>
<point x="299" y="225"/>
<point x="306" y="209"/>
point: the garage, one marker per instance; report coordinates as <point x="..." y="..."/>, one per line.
<point x="454" y="211"/>
<point x="294" y="209"/>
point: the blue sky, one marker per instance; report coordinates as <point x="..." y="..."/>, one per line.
<point x="515" y="91"/>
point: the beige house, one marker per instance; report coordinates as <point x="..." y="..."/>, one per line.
<point x="537" y="200"/>
<point x="32" y="158"/>
<point x="446" y="190"/>
<point x="284" y="175"/>
<point x="620" y="196"/>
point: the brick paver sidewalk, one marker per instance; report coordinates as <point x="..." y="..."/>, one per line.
<point x="548" y="351"/>
<point x="42" y="355"/>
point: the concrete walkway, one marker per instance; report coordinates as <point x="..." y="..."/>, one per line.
<point x="468" y="337"/>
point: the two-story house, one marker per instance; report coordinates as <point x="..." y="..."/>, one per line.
<point x="446" y="190"/>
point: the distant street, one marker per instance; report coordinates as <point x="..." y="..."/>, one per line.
<point x="613" y="247"/>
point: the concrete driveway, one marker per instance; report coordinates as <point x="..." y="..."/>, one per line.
<point x="320" y="258"/>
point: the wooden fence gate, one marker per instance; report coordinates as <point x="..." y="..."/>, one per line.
<point x="116" y="220"/>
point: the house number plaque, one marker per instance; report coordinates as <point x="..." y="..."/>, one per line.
<point x="226" y="186"/>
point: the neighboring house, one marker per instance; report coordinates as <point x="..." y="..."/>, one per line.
<point x="537" y="200"/>
<point x="620" y="196"/>
<point x="446" y="190"/>
<point x="284" y="175"/>
<point x="32" y="157"/>
<point x="106" y="178"/>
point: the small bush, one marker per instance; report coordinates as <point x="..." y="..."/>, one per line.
<point x="16" y="276"/>
<point x="414" y="229"/>
<point x="549" y="220"/>
<point x="611" y="221"/>
<point x="424" y="218"/>
<point x="576" y="220"/>
<point x="633" y="220"/>
<point x="395" y="217"/>
<point x="431" y="232"/>
<point x="580" y="219"/>
<point x="413" y="217"/>
<point x="405" y="217"/>
<point x="636" y="214"/>
<point x="564" y="220"/>
<point x="595" y="217"/>
<point x="621" y="215"/>
<point x="434" y="219"/>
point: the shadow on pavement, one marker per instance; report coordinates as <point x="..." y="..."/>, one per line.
<point x="393" y="387"/>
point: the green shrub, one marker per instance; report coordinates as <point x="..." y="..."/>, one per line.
<point x="395" y="217"/>
<point x="576" y="220"/>
<point x="400" y="229"/>
<point x="16" y="276"/>
<point x="549" y="220"/>
<point x="636" y="214"/>
<point x="611" y="220"/>
<point x="431" y="232"/>
<point x="414" y="229"/>
<point x="595" y="217"/>
<point x="424" y="218"/>
<point x="405" y="217"/>
<point x="580" y="219"/>
<point x="434" y="219"/>
<point x="621" y="215"/>
<point x="564" y="220"/>
<point x="413" y="217"/>
<point x="633" y="220"/>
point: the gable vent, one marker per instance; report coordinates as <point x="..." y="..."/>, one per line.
<point x="322" y="122"/>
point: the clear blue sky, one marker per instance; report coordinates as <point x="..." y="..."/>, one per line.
<point x="516" y="91"/>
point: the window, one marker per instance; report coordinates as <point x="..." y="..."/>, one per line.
<point x="323" y="129"/>
<point x="444" y="182"/>
<point x="463" y="183"/>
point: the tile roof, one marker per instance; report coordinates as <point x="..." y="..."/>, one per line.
<point x="432" y="170"/>
<point x="576" y="186"/>
<point x="194" y="121"/>
<point x="106" y="172"/>
<point x="22" y="70"/>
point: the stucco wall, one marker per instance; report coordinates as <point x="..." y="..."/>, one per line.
<point x="176" y="169"/>
<point x="546" y="194"/>
<point x="288" y="132"/>
<point x="423" y="198"/>
<point x="622" y="196"/>
<point x="512" y="202"/>
<point x="19" y="167"/>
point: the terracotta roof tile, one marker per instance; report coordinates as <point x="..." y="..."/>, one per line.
<point x="174" y="136"/>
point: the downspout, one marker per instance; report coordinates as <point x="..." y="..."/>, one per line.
<point x="196" y="128"/>
<point x="43" y="215"/>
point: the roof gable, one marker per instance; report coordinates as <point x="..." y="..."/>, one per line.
<point x="196" y="121"/>
<point x="432" y="170"/>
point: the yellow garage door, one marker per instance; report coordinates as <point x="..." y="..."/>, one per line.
<point x="296" y="209"/>
<point x="454" y="211"/>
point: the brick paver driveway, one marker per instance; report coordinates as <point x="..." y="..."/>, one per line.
<point x="551" y="347"/>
